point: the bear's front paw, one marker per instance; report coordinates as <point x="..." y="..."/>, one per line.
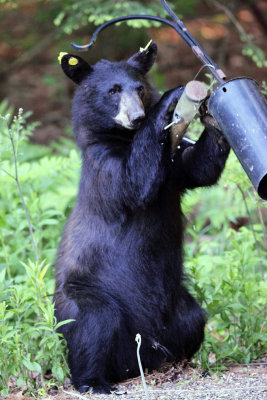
<point x="206" y="118"/>
<point x="170" y="99"/>
<point x="213" y="128"/>
<point x="163" y="111"/>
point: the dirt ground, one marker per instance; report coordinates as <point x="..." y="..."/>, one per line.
<point x="173" y="382"/>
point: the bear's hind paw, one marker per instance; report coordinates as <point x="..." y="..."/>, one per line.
<point x="103" y="388"/>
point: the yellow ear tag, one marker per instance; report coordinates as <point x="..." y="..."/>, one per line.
<point x="73" y="61"/>
<point x="145" y="48"/>
<point x="61" y="54"/>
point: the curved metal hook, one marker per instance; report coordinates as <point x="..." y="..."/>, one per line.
<point x="177" y="25"/>
<point x="126" y="18"/>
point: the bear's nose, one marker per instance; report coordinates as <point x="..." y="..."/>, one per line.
<point x="137" y="119"/>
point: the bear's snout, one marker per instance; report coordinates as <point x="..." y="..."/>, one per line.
<point x="131" y="111"/>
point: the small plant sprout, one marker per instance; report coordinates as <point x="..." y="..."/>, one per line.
<point x="139" y="341"/>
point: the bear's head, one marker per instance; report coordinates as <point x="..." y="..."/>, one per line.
<point x="112" y="97"/>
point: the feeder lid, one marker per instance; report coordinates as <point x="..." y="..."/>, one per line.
<point x="196" y="91"/>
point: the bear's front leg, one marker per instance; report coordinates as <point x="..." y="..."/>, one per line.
<point x="147" y="161"/>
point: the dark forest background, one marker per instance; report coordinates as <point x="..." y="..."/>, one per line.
<point x="32" y="33"/>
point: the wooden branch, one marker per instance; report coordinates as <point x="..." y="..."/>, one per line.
<point x="231" y="17"/>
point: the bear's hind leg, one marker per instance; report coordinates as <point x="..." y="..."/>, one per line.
<point x="90" y="340"/>
<point x="186" y="332"/>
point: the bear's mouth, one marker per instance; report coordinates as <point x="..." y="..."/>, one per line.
<point x="128" y="125"/>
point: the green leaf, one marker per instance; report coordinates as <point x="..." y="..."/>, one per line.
<point x="32" y="366"/>
<point x="58" y="373"/>
<point x="67" y="321"/>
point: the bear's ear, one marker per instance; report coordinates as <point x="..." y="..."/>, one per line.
<point x="74" y="67"/>
<point x="145" y="58"/>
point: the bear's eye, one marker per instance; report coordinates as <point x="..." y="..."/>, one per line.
<point x="115" y="89"/>
<point x="141" y="91"/>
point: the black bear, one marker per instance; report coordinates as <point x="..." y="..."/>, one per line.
<point x="119" y="265"/>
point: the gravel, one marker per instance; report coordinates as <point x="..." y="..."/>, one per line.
<point x="178" y="383"/>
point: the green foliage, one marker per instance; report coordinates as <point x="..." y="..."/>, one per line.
<point x="10" y="3"/>
<point x="74" y="14"/>
<point x="253" y="51"/>
<point x="29" y="344"/>
<point x="233" y="295"/>
<point x="47" y="185"/>
<point x="225" y="266"/>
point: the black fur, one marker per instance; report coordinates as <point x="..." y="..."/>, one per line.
<point x="119" y="266"/>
